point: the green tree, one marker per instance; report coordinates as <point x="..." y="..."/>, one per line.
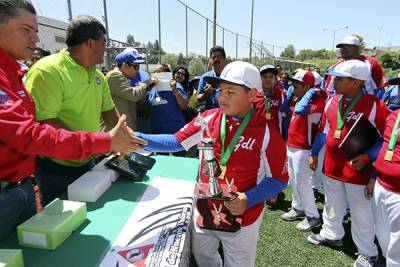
<point x="171" y="60"/>
<point x="289" y="52"/>
<point x="181" y="60"/>
<point x="196" y="66"/>
<point x="130" y="40"/>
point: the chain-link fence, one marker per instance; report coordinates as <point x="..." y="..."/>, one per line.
<point x="176" y="34"/>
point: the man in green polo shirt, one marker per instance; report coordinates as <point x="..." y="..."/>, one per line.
<point x="71" y="93"/>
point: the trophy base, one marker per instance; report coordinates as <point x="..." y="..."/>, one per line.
<point x="202" y="191"/>
<point x="211" y="219"/>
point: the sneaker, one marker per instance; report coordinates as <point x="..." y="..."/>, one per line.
<point x="308" y="223"/>
<point x="365" y="261"/>
<point x="293" y="215"/>
<point x="322" y="241"/>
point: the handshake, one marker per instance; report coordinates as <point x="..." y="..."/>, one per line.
<point x="122" y="138"/>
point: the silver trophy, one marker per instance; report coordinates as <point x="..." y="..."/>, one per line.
<point x="211" y="166"/>
<point x="213" y="216"/>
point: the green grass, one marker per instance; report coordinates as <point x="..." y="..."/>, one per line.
<point x="280" y="244"/>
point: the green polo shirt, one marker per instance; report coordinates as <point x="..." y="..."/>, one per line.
<point x="64" y="90"/>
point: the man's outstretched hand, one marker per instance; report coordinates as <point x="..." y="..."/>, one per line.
<point x="122" y="140"/>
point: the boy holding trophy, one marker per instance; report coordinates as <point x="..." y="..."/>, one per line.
<point x="249" y="155"/>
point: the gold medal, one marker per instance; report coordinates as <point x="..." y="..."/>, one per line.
<point x="268" y="116"/>
<point x="337" y="134"/>
<point x="389" y="155"/>
<point x="223" y="171"/>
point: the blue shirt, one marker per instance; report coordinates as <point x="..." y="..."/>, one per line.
<point x="140" y="77"/>
<point x="212" y="100"/>
<point x="391" y="97"/>
<point x="166" y="116"/>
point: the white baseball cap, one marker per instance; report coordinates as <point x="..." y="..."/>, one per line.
<point x="349" y="40"/>
<point x="240" y="73"/>
<point x="353" y="68"/>
<point x="318" y="78"/>
<point x="304" y="76"/>
<point x="270" y="68"/>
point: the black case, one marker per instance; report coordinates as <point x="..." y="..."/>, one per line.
<point x="361" y="137"/>
<point x="127" y="167"/>
<point x="145" y="161"/>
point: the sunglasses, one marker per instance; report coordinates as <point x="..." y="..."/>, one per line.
<point x="135" y="66"/>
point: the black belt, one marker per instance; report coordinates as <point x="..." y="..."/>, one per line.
<point x="5" y="185"/>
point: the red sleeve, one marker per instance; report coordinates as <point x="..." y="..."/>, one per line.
<point x="377" y="73"/>
<point x="276" y="155"/>
<point x="382" y="113"/>
<point x="20" y="130"/>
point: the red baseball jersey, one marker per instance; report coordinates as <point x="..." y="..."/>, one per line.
<point x="22" y="138"/>
<point x="277" y="99"/>
<point x="260" y="152"/>
<point x="374" y="80"/>
<point x="303" y="129"/>
<point x="389" y="171"/>
<point x="336" y="163"/>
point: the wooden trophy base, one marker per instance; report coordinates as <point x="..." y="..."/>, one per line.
<point x="208" y="217"/>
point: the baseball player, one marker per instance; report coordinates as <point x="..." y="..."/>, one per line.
<point x="350" y="49"/>
<point x="253" y="154"/>
<point x="386" y="197"/>
<point x="348" y="179"/>
<point x="271" y="97"/>
<point x="302" y="130"/>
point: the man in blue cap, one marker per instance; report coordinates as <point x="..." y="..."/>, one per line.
<point x="125" y="95"/>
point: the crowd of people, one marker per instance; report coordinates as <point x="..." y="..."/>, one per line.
<point x="270" y="129"/>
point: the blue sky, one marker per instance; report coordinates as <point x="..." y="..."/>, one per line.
<point x="280" y="22"/>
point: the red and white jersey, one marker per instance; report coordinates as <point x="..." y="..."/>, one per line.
<point x="374" y="81"/>
<point x="336" y="164"/>
<point x="303" y="129"/>
<point x="277" y="99"/>
<point x="389" y="171"/>
<point x="260" y="152"/>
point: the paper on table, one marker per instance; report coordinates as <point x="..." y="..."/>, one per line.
<point x="163" y="84"/>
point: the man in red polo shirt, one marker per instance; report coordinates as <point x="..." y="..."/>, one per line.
<point x="22" y="139"/>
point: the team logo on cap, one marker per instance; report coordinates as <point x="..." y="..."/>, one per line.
<point x="3" y="97"/>
<point x="98" y="81"/>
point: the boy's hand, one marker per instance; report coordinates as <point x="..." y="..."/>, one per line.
<point x="369" y="189"/>
<point x="359" y="162"/>
<point x="237" y="206"/>
<point x="313" y="162"/>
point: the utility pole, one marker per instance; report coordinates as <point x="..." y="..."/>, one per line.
<point x="69" y="10"/>
<point x="159" y="31"/>
<point x="334" y="37"/>
<point x="251" y="29"/>
<point x="380" y="34"/>
<point x="108" y="63"/>
<point x="215" y="24"/>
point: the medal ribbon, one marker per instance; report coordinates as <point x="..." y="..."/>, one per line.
<point x="268" y="101"/>
<point x="395" y="134"/>
<point x="340" y="118"/>
<point x="225" y="155"/>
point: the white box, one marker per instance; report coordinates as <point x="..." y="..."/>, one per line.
<point x="102" y="168"/>
<point x="90" y="186"/>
